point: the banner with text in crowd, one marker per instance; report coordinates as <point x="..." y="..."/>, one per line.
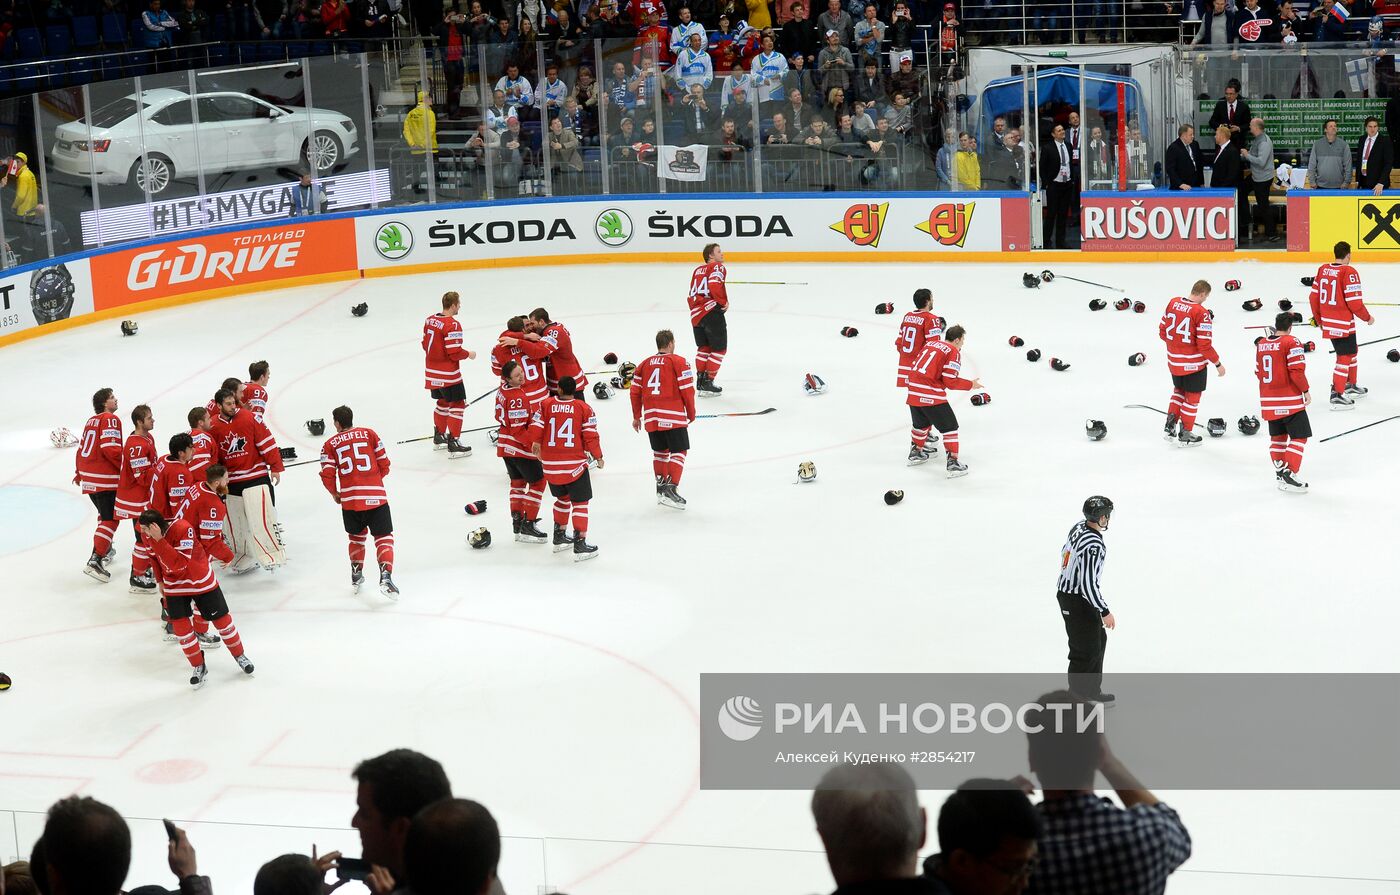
<point x="684" y="162"/>
<point x="1158" y="221"/>
<point x="910" y="223"/>
<point x="1295" y="124"/>
<point x="44" y="293"/>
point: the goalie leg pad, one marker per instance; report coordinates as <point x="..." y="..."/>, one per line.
<point x="264" y="544"/>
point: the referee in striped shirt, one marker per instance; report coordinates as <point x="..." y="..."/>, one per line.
<point x="1082" y="604"/>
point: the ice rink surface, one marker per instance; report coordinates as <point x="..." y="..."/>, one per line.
<point x="563" y="695"/>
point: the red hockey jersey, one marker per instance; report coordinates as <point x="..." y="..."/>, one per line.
<point x="353" y="466"/>
<point x="562" y="361"/>
<point x="937" y="369"/>
<point x="1187" y="329"/>
<point x="443" y="351"/>
<point x="170" y="480"/>
<point x="206" y="512"/>
<point x="206" y="452"/>
<point x="567" y="432"/>
<point x="138" y="462"/>
<point x="1282" y="371"/>
<point x="663" y="392"/>
<point x="707" y="291"/>
<point x="254" y="398"/>
<point x="245" y="447"/>
<point x="531" y="356"/>
<point x="1336" y="300"/>
<point x="180" y="564"/>
<point x="98" y="466"/>
<point x="916" y="330"/>
<point x="514" y="409"/>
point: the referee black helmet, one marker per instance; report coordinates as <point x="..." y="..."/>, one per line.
<point x="1096" y="507"/>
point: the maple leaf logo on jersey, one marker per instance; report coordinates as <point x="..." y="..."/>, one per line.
<point x="949" y="223"/>
<point x="862" y="223"/>
<point x="235" y="445"/>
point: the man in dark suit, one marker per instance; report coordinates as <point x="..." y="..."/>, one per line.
<point x="1233" y="112"/>
<point x="1374" y="159"/>
<point x="1005" y="165"/>
<point x="1184" y="161"/>
<point x="694" y="116"/>
<point x="1057" y="179"/>
<point x="1227" y="173"/>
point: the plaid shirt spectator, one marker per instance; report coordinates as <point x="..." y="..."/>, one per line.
<point x="1090" y="846"/>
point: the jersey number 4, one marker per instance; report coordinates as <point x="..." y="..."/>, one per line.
<point x="1182" y="329"/>
<point x="700" y="286"/>
<point x="561" y="432"/>
<point x="354" y="458"/>
<point x="654" y="381"/>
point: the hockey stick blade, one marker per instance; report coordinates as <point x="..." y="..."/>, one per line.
<point x="762" y="283"/>
<point x="1143" y="407"/>
<point x="1359" y="428"/>
<point x="713" y="416"/>
<point x="1087" y="282"/>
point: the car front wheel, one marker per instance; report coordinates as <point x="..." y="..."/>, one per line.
<point x="322" y="153"/>
<point x="153" y="174"/>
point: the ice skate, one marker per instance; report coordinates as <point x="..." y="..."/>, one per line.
<point x="1187" y="438"/>
<point x="582" y="549"/>
<point x="1340" y="401"/>
<point x="456" y="450"/>
<point x="245" y="663"/>
<point x="530" y="533"/>
<point x="562" y="541"/>
<point x="917" y="455"/>
<point x="1355" y="391"/>
<point x="209" y="640"/>
<point x="706" y="387"/>
<point x="670" y="498"/>
<point x="386" y="584"/>
<point x="96" y="569"/>
<point x="197" y="676"/>
<point x="357" y="576"/>
<point x="142" y="584"/>
<point x="439" y="440"/>
<point x="1289" y="483"/>
<point x="956" y="469"/>
<point x="1169" y="430"/>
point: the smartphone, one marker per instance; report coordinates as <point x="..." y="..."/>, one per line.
<point x="170" y="830"/>
<point x="352" y="868"/>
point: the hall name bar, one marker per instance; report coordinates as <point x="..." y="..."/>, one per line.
<point x="934" y="717"/>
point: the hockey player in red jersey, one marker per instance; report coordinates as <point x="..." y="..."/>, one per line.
<point x="134" y="492"/>
<point x="529" y="353"/>
<point x="203" y="507"/>
<point x="919" y="327"/>
<point x="1282" y="371"/>
<point x="515" y="408"/>
<point x="1187" y="330"/>
<point x="232" y="384"/>
<point x="937" y="369"/>
<point x="1336" y="305"/>
<point x="560" y="345"/>
<point x="254" y="466"/>
<point x="443" y="356"/>
<point x="186" y="580"/>
<point x="709" y="302"/>
<point x="171" y="478"/>
<point x="97" y="471"/>
<point x="663" y="400"/>
<point x="564" y="436"/>
<point x="353" y="467"/>
<point x="253" y="393"/>
<point x="204" y="450"/>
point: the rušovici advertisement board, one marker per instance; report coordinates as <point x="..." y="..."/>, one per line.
<point x="1149" y="221"/>
<point x="909" y="223"/>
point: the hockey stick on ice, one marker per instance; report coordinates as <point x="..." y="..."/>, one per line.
<point x="761" y="283"/>
<point x="712" y="416"/>
<point x="1372" y="342"/>
<point x="1143" y="407"/>
<point x="1051" y="276"/>
<point x="469" y="404"/>
<point x="1359" y="428"/>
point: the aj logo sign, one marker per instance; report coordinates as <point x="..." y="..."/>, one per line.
<point x="949" y="223"/>
<point x="862" y="223"/>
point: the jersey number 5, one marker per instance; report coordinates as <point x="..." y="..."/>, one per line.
<point x="354" y="458"/>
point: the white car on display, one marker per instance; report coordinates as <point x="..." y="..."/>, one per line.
<point x="234" y="132"/>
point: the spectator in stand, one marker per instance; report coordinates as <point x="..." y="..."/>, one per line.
<point x="817" y="135"/>
<point x="767" y="71"/>
<point x="800" y="35"/>
<point x="393" y="787"/>
<point x="308" y="197"/>
<point x="998" y="132"/>
<point x="622" y="141"/>
<point x="193" y="22"/>
<point x="294" y="875"/>
<point x="501" y="45"/>
<point x="1088" y="846"/>
<point x="735" y="83"/>
<point x="563" y="148"/>
<point x="693" y="66"/>
<point x="563" y="36"/>
<point x="946" y="159"/>
<point x="452" y="42"/>
<point x="573" y="120"/>
<point x="1329" y="161"/>
<point x="498" y="111"/>
<point x="679" y="38"/>
<point x="1006" y="164"/>
<point x="1329" y="28"/>
<point x="796" y="110"/>
<point x="871" y="825"/>
<point x="335" y="18"/>
<point x="967" y="166"/>
<point x="987" y="834"/>
<point x="742" y="111"/>
<point x="836" y="19"/>
<point x="880" y="143"/>
<point x="453" y="848"/>
<point x="694" y="117"/>
<point x="158" y="27"/>
<point x="1254" y="26"/>
<point x="869" y="85"/>
<point x="869" y="34"/>
<point x="245" y="21"/>
<point x="16" y="879"/>
<point x="1233" y="112"/>
<point x="482" y="143"/>
<point x="835" y="106"/>
<point x="1057" y="181"/>
<point x="906" y="80"/>
<point x="1137" y="156"/>
<point x="552" y="91"/>
<point x="86" y="848"/>
<point x="1260" y="156"/>
<point x="516" y="87"/>
<point x="861" y="119"/>
<point x="1101" y="158"/>
<point x="835" y="63"/>
<point x="901" y="33"/>
<point x="1217" y="28"/>
<point x="619" y="90"/>
<point x="1297" y="26"/>
<point x="845" y="131"/>
<point x="733" y="142"/>
<point x="480" y="24"/>
<point x="950" y="34"/>
<point x="1375" y="158"/>
<point x="586" y="95"/>
<point x="517" y="153"/>
<point x="779" y="134"/>
<point x="527" y="51"/>
<point x="1183" y="166"/>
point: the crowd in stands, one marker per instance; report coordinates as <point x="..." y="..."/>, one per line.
<point x="417" y="839"/>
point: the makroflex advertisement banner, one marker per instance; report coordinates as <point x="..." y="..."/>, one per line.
<point x="1152" y="221"/>
<point x="777" y="224"/>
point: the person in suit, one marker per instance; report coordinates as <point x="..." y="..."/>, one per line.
<point x="1184" y="160"/>
<point x="1227" y="173"/>
<point x="1233" y="112"/>
<point x="1058" y="182"/>
<point x="1005" y="165"/>
<point x="1375" y="156"/>
<point x="1099" y="157"/>
<point x="694" y="116"/>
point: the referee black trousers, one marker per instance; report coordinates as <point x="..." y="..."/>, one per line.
<point x="1087" y="642"/>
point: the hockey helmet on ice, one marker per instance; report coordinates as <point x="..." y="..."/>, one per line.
<point x="1095" y="429"/>
<point x="1030" y="281"/>
<point x="480" y="539"/>
<point x="813" y="384"/>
